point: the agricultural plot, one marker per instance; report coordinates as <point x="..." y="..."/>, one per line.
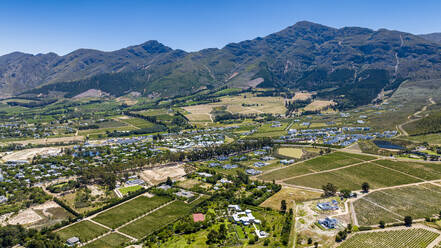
<point x="290" y="152"/>
<point x="326" y="162"/>
<point x="137" y="122"/>
<point x="426" y="171"/>
<point x="410" y="238"/>
<point x="319" y="104"/>
<point x="109" y="241"/>
<point x="352" y="177"/>
<point x="418" y="201"/>
<point x="370" y="214"/>
<point x="117" y="216"/>
<point x="241" y="104"/>
<point x="84" y="230"/>
<point x="158" y="218"/>
<point x="289" y="195"/>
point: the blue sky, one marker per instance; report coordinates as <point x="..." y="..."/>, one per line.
<point x="61" y="26"/>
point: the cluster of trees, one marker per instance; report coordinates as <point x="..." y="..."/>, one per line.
<point x="216" y="237"/>
<point x="34" y="104"/>
<point x="342" y="235"/>
<point x="93" y="126"/>
<point x="293" y="106"/>
<point x="330" y="190"/>
<point x="152" y="129"/>
<point x="286" y="228"/>
<point x="227" y="149"/>
<point x="106" y="175"/>
<point x="12" y="235"/>
<point x="61" y="187"/>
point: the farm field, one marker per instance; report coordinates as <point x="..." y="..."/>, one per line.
<point x="326" y="162"/>
<point x="109" y="241"/>
<point x="84" y="230"/>
<point x="418" y="201"/>
<point x="117" y="216"/>
<point x="159" y="218"/>
<point x="137" y="122"/>
<point x="352" y="177"/>
<point x="370" y="214"/>
<point x="426" y="171"/>
<point x="110" y="123"/>
<point x="290" y="152"/>
<point x="410" y="238"/>
<point x="241" y="104"/>
<point x="289" y="194"/>
<point x="434" y="138"/>
<point x="318" y="105"/>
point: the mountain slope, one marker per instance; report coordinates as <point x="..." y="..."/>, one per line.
<point x="19" y="71"/>
<point x="435" y="37"/>
<point x="352" y="61"/>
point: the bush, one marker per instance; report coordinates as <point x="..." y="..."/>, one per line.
<point x="365" y="228"/>
<point x="382" y="224"/>
<point x="266" y="242"/>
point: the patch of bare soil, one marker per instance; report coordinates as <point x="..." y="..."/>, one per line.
<point x="50" y="140"/>
<point x="30" y="153"/>
<point x="91" y="93"/>
<point x="159" y="174"/>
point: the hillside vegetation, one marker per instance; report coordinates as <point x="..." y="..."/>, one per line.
<point x="350" y="64"/>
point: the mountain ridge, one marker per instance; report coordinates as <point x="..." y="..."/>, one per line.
<point x="305" y="55"/>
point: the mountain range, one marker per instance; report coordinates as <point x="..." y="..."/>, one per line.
<point x="346" y="62"/>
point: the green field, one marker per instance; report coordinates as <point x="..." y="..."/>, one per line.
<point x="123" y="213"/>
<point x="113" y="240"/>
<point x="84" y="230"/>
<point x="426" y="171"/>
<point x="158" y="219"/>
<point x="417" y="201"/>
<point x="434" y="138"/>
<point x="352" y="177"/>
<point x="410" y="238"/>
<point x="130" y="189"/>
<point x="326" y="162"/>
<point x="370" y="214"/>
<point x="137" y="122"/>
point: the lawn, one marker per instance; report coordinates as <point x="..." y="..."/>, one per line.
<point x="109" y="241"/>
<point x="289" y="194"/>
<point x="352" y="177"/>
<point x="326" y="162"/>
<point x="158" y="218"/>
<point x="410" y="238"/>
<point x="130" y="189"/>
<point x="290" y="152"/>
<point x="84" y="230"/>
<point x="123" y="213"/>
<point x="417" y="201"/>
